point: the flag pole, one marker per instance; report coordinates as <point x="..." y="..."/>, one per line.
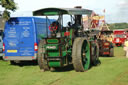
<point x="104" y="15"/>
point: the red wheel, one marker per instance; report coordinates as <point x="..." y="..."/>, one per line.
<point x="53" y="28"/>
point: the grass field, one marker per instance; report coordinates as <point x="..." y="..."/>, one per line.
<point x="112" y="71"/>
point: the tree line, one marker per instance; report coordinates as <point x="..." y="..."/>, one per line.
<point x="118" y="26"/>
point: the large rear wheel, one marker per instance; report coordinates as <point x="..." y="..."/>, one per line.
<point x="42" y="61"/>
<point x="81" y="54"/>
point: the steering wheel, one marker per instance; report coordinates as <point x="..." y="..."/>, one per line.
<point x="53" y="27"/>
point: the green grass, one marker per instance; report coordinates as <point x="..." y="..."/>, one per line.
<point x="119" y="52"/>
<point x="112" y="71"/>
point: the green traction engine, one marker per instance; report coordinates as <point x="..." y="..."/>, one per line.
<point x="66" y="42"/>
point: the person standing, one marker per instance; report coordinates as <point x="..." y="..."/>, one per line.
<point x="126" y="47"/>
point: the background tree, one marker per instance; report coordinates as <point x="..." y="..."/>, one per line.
<point x="9" y="5"/>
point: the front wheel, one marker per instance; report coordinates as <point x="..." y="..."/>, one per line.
<point x="95" y="53"/>
<point x="42" y="61"/>
<point x="111" y="52"/>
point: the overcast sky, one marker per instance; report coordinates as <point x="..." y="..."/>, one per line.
<point x="116" y="10"/>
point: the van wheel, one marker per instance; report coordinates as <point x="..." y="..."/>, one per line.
<point x="42" y="61"/>
<point x="12" y="62"/>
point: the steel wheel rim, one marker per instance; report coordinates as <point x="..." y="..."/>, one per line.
<point x="86" y="55"/>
